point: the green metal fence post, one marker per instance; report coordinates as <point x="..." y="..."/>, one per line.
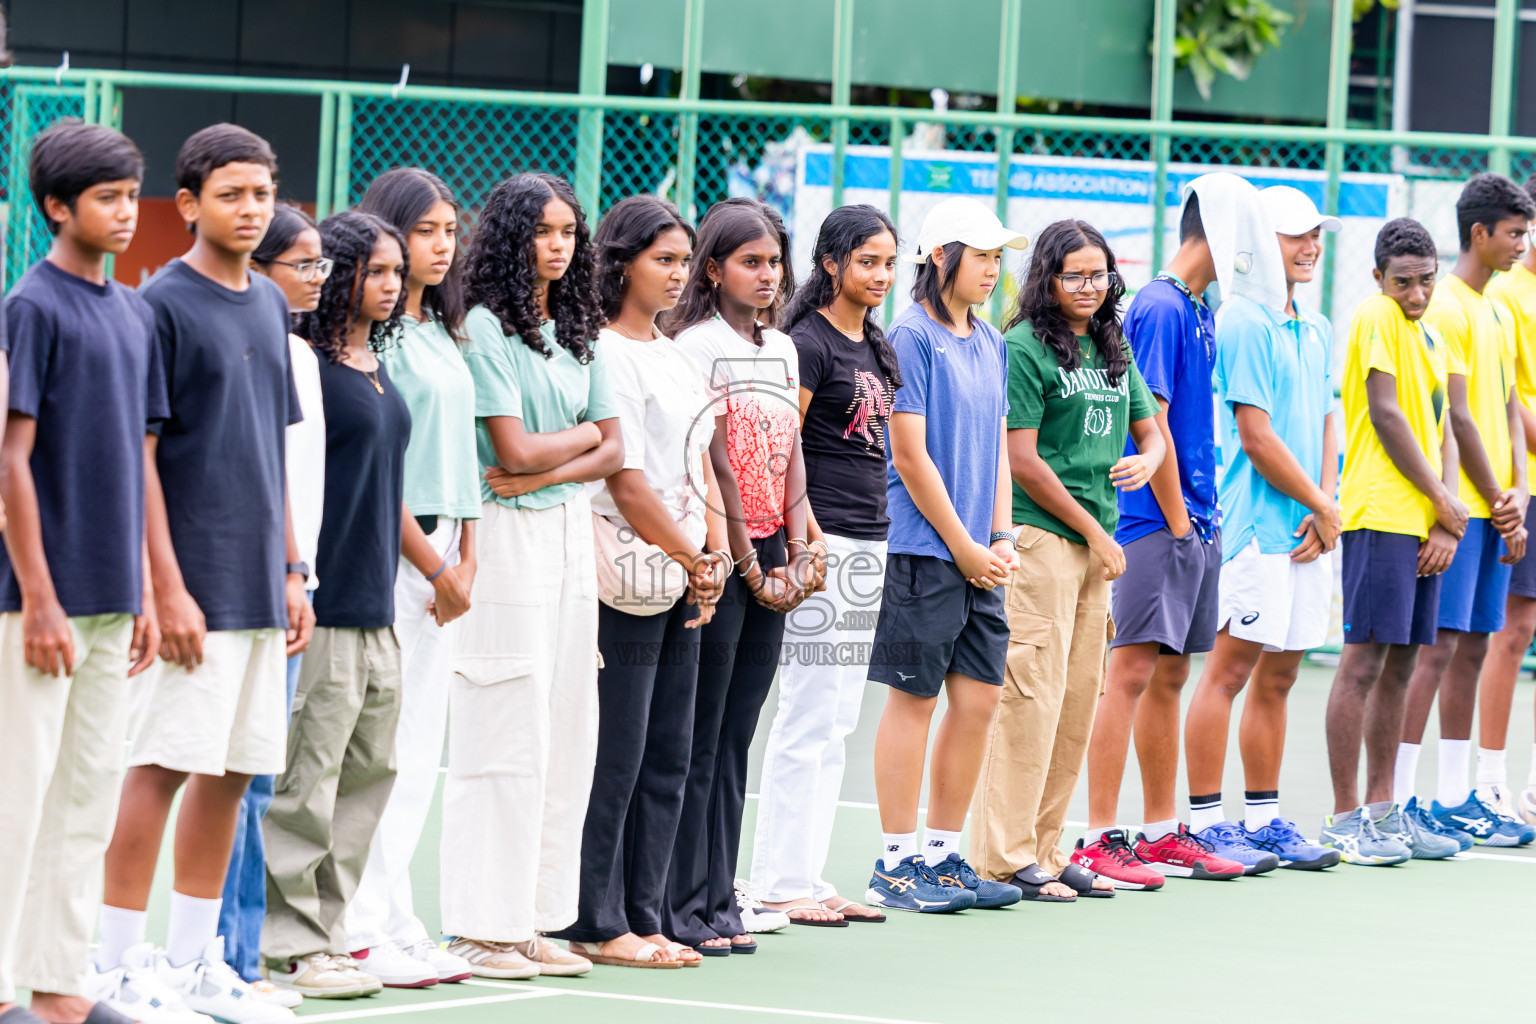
<point x="90" y="113"/>
<point x="341" y="183"/>
<point x="1164" y="25"/>
<point x="325" y="177"/>
<point x="593" y="82"/>
<point x="842" y="91"/>
<point x="1506" y="41"/>
<point x="688" y="123"/>
<point x="1338" y="114"/>
<point x="1007" y="103"/>
<point x="898" y="135"/>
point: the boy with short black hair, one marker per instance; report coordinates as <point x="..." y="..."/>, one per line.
<point x="75" y="619"/>
<point x="1483" y="409"/>
<point x="219" y="540"/>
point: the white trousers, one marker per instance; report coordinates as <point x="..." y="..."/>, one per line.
<point x="523" y="735"/>
<point x="382" y="910"/>
<point x="61" y="763"/>
<point x="821" y="686"/>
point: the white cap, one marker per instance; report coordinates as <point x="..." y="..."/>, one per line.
<point x="1293" y="213"/>
<point x="963" y="220"/>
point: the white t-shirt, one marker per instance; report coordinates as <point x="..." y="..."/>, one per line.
<point x="666" y="424"/>
<point x="759" y="387"/>
<point x="305" y="442"/>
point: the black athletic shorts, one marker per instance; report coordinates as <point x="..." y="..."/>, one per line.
<point x="932" y="622"/>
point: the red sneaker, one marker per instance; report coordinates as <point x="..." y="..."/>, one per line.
<point x="1112" y="858"/>
<point x="1182" y="855"/>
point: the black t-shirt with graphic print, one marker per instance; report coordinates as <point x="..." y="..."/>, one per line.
<point x="844" y="433"/>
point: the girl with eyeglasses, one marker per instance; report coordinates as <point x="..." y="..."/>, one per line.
<point x="1074" y="394"/>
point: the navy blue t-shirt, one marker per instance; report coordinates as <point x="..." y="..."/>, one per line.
<point x="229" y="382"/>
<point x="367" y="429"/>
<point x="1174" y="343"/>
<point x="85" y="366"/>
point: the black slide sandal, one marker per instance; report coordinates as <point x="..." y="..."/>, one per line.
<point x="1034" y="878"/>
<point x="101" y="1013"/>
<point x="711" y="950"/>
<point x="1081" y="880"/>
<point x="22" y="1015"/>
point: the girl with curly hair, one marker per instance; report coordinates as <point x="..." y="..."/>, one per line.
<point x="341" y="735"/>
<point x="442" y="488"/>
<point x="1074" y="397"/>
<point x="724" y="323"/>
<point x="523" y="700"/>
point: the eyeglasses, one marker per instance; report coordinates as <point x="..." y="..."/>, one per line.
<point x="1074" y="283"/>
<point x="313" y="270"/>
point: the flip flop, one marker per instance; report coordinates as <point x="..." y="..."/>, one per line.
<point x="809" y="904"/>
<point x="677" y="947"/>
<point x="642" y="957"/>
<point x="711" y="950"/>
<point x="1081" y="880"/>
<point x="743" y="947"/>
<point x="22" y="1015"/>
<point x="876" y="918"/>
<point x="101" y="1013"/>
<point x="1034" y="878"/>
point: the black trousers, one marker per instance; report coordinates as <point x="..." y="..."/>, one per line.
<point x="738" y="656"/>
<point x="645" y="693"/>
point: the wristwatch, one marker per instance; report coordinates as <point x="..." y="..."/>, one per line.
<point x="1006" y="535"/>
<point x="299" y="568"/>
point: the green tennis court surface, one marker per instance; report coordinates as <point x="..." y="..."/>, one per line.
<point x="1398" y="944"/>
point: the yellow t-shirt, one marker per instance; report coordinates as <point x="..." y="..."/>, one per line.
<point x="1516" y="292"/>
<point x="1479" y="346"/>
<point x="1374" y="494"/>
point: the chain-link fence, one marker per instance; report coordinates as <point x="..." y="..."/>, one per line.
<point x="805" y="159"/>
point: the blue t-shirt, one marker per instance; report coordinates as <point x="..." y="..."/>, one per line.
<point x="1279" y="364"/>
<point x="1174" y="341"/>
<point x="960" y="385"/>
<point x="229" y="382"/>
<point x="85" y="366"/>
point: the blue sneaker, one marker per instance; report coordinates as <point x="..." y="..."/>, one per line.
<point x="954" y="871"/>
<point x="912" y="885"/>
<point x="1425" y="845"/>
<point x="1419" y="815"/>
<point x="1486" y="826"/>
<point x="1282" y="838"/>
<point x="1227" y="840"/>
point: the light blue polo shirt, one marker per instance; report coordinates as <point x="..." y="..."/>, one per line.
<point x="1283" y="365"/>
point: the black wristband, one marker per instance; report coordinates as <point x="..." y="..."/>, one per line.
<point x="1004" y="535"/>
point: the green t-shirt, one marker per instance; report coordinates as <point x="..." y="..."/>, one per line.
<point x="442" y="472"/>
<point x="548" y="394"/>
<point x="1083" y="424"/>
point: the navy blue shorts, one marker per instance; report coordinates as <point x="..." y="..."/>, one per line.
<point x="1522" y="577"/>
<point x="932" y="622"/>
<point x="1169" y="592"/>
<point x="1386" y="601"/>
<point x="1477" y="583"/>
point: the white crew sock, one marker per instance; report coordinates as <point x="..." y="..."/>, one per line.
<point x="1405" y="772"/>
<point x="194" y="923"/>
<point x="938" y="844"/>
<point x="1205" y="811"/>
<point x="1530" y="779"/>
<point x="898" y="847"/>
<point x="119" y="929"/>
<point x="1155" y="830"/>
<point x="1260" y="807"/>
<point x="1451" y="788"/>
<point x="1490" y="768"/>
<point x="1093" y="835"/>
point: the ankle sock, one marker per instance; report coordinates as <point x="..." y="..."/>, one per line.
<point x="1260" y="807"/>
<point x="1451" y="787"/>
<point x="1379" y="809"/>
<point x="938" y="844"/>
<point x="120" y="929"/>
<point x="1491" y="770"/>
<point x="1204" y="811"/>
<point x="193" y="924"/>
<point x="1405" y="772"/>
<point x="1155" y="830"/>
<point x="1530" y="780"/>
<point x="898" y="847"/>
<point x="1093" y="835"/>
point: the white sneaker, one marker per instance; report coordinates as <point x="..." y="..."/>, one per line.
<point x="209" y="985"/>
<point x="270" y="993"/>
<point x="1528" y="805"/>
<point x="1498" y="798"/>
<point x="449" y="968"/>
<point x="394" y="967"/>
<point x="136" y="991"/>
<point x="324" y="976"/>
<point x="754" y="917"/>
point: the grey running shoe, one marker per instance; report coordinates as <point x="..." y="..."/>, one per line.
<point x="1358" y="841"/>
<point x="1426" y="845"/>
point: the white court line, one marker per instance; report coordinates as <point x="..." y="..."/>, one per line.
<point x="390" y="1011"/>
<point x="698" y="1004"/>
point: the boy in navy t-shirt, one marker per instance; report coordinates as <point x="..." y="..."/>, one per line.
<point x="229" y="586"/>
<point x="85" y="385"/>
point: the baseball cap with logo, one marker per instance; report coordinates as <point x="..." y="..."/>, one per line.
<point x="1293" y="213"/>
<point x="960" y="219"/>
